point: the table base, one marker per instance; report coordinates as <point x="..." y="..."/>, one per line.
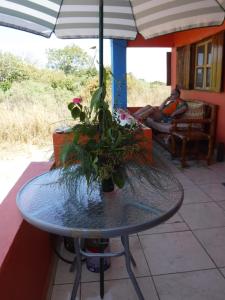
<point x="128" y="260"/>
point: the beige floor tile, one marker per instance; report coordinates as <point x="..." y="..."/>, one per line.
<point x="221" y="204"/>
<point x="202" y="175"/>
<point x="223" y="271"/>
<point x="119" y="290"/>
<point x="184" y="180"/>
<point x="63" y="292"/>
<point x="118" y="269"/>
<point x="203" y="215"/>
<point x="174" y="224"/>
<point x="195" y="195"/>
<point x="175" y="219"/>
<point x="214" y="242"/>
<point x="218" y="167"/>
<point x="163" y="228"/>
<point x="63" y="274"/>
<point x="198" y="285"/>
<point x="174" y="252"/>
<point x="215" y="191"/>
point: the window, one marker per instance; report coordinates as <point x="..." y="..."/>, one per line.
<point x="203" y="65"/>
<point x="199" y="66"/>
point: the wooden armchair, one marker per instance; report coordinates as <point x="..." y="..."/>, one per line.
<point x="196" y="131"/>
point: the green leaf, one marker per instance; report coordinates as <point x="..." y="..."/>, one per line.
<point x="75" y="112"/>
<point x="100" y="117"/>
<point x="82" y="116"/>
<point x="71" y="106"/>
<point x="119" y="139"/>
<point x="65" y="152"/>
<point x="96" y="98"/>
<point x="76" y="136"/>
<point x="91" y="144"/>
<point x="118" y="179"/>
<point x="92" y="131"/>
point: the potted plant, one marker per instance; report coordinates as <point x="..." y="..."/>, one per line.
<point x="101" y="143"/>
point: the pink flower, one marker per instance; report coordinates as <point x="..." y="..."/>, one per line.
<point x="77" y="100"/>
<point x="123" y="116"/>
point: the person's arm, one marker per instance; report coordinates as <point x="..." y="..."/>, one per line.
<point x="180" y="110"/>
<point x="164" y="103"/>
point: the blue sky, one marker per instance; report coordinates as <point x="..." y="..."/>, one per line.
<point x="145" y="63"/>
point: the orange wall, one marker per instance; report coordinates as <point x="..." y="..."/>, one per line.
<point x="194" y="35"/>
<point x="184" y="38"/>
<point x="161" y="41"/>
<point x="212" y="97"/>
<point x="176" y="39"/>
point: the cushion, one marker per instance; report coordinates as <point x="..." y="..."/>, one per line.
<point x="195" y="111"/>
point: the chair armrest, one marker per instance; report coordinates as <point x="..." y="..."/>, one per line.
<point x="188" y="121"/>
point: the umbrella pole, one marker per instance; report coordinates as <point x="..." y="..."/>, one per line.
<point x="100" y="85"/>
<point x="100" y="43"/>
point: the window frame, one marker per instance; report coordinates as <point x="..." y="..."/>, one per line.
<point x="186" y="64"/>
<point x="204" y="66"/>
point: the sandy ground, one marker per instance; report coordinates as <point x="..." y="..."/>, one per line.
<point x="13" y="164"/>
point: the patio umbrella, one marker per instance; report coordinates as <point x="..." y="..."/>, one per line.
<point x="122" y="19"/>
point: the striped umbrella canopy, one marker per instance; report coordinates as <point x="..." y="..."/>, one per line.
<point x="117" y="19"/>
<point x="122" y="18"/>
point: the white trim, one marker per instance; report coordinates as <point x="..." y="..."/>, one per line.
<point x="176" y="10"/>
<point x="75" y="20"/>
<point x="47" y="4"/>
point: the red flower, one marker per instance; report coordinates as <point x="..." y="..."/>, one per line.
<point x="77" y="100"/>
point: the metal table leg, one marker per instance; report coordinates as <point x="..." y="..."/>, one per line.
<point x="79" y="266"/>
<point x="102" y="277"/>
<point x="125" y="241"/>
<point x="131" y="256"/>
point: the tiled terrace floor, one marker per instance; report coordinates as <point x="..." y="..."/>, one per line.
<point x="181" y="259"/>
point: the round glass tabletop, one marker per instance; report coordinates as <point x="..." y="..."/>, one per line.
<point x="57" y="206"/>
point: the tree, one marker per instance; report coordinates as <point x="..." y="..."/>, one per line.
<point x="70" y="59"/>
<point x="12" y="68"/>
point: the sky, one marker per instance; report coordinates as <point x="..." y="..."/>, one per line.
<point x="144" y="63"/>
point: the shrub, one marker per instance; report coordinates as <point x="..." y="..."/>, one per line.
<point x="12" y="69"/>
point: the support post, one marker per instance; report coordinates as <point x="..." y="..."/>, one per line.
<point x="119" y="80"/>
<point x="101" y="28"/>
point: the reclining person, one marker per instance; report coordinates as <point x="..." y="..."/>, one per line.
<point x="169" y="109"/>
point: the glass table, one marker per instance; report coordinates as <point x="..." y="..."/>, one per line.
<point x="54" y="204"/>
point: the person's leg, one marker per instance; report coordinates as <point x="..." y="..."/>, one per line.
<point x="141" y="110"/>
<point x="142" y="115"/>
<point x="157" y="115"/>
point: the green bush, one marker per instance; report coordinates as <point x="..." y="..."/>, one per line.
<point x="12" y="69"/>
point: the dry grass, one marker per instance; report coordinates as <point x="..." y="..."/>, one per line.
<point x="147" y="94"/>
<point x="31" y="111"/>
<point x="29" y="114"/>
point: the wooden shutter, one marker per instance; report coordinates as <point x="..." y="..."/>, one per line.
<point x="168" y="68"/>
<point x="183" y="67"/>
<point x="217" y="65"/>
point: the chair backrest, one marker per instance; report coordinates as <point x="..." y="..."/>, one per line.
<point x="210" y="113"/>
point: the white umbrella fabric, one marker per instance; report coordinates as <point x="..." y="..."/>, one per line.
<point x="123" y="19"/>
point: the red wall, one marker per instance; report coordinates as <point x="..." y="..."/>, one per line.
<point x="25" y="252"/>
